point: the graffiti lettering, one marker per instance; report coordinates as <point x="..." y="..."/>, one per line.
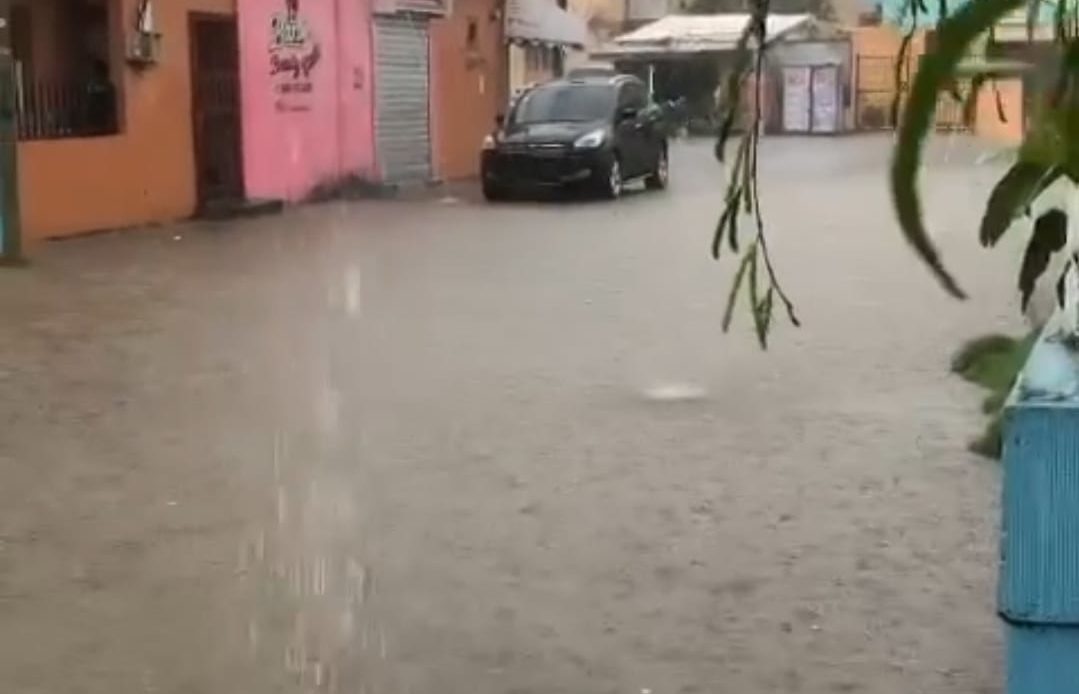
<point x="299" y="65"/>
<point x="288" y="32"/>
<point x="294" y="54"/>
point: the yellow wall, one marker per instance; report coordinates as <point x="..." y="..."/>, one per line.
<point x="146" y="173"/>
<point x="521" y="74"/>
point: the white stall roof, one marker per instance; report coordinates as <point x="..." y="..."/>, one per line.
<point x="698" y="33"/>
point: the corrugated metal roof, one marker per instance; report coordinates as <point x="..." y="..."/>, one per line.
<point x="685" y="33"/>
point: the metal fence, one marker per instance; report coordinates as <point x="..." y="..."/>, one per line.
<point x="46" y="110"/>
<point x="876" y="106"/>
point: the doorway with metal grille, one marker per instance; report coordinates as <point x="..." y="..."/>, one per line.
<point x="215" y="108"/>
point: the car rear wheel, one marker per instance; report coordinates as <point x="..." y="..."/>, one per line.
<point x="658" y="179"/>
<point x="611" y="183"/>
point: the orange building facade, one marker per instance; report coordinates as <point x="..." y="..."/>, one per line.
<point x="469" y="84"/>
<point x="876" y="55"/>
<point x="105" y="122"/>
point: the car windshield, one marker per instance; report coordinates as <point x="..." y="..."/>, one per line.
<point x="573" y="103"/>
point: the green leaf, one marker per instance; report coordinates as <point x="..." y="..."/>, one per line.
<point x="1001" y="116"/>
<point x="732" y="227"/>
<point x="748" y="259"/>
<point x="727" y="218"/>
<point x="901" y="67"/>
<point x="970" y="104"/>
<point x="954" y="35"/>
<point x="1050" y="234"/>
<point x="1011" y="196"/>
<point x="753" y="299"/>
<point x="1062" y="284"/>
<point x="762" y="318"/>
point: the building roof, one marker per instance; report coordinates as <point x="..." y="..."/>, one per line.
<point x="697" y="33"/>
<point x="720" y="30"/>
<point x="544" y="22"/>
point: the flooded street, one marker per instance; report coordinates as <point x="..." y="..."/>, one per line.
<point x="440" y="447"/>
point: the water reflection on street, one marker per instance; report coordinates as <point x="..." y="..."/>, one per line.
<point x="438" y="447"/>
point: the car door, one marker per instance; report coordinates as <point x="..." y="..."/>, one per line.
<point x="632" y="129"/>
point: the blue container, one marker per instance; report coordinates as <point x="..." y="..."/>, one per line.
<point x="1039" y="573"/>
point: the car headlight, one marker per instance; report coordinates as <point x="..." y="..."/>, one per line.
<point x="590" y="140"/>
<point x="489" y="142"/>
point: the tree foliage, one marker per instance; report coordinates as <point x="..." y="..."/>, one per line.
<point x="1049" y="152"/>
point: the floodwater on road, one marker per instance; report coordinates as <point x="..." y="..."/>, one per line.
<point x="442" y="447"/>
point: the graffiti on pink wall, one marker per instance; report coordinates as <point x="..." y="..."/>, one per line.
<point x="295" y="53"/>
<point x="307" y="105"/>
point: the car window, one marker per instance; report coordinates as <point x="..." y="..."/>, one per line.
<point x="565" y="102"/>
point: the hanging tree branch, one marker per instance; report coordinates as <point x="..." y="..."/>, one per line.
<point x="1050" y="148"/>
<point x="743" y="189"/>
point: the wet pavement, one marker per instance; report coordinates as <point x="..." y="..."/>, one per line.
<point x="438" y="446"/>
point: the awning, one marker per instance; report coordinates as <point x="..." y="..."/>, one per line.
<point x="543" y="22"/>
<point x="676" y="35"/>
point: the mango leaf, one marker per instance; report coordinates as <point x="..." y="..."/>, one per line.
<point x="1050" y="234"/>
<point x="1011" y="196"/>
<point x="750" y="258"/>
<point x="954" y="35"/>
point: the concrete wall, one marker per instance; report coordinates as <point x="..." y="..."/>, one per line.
<point x="469" y="84"/>
<point x="312" y="126"/>
<point x="144" y="174"/>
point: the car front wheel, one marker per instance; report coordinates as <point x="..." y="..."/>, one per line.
<point x="660" y="176"/>
<point x="611" y="181"/>
<point x="492" y="192"/>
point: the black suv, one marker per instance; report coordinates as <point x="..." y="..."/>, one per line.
<point x="597" y="131"/>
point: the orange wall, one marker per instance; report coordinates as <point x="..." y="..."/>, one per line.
<point x="469" y="85"/>
<point x="885" y="41"/>
<point x="987" y="120"/>
<point x="145" y="174"/>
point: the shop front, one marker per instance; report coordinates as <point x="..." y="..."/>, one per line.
<point x="403" y="89"/>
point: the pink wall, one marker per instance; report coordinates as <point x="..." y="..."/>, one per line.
<point x="307" y="94"/>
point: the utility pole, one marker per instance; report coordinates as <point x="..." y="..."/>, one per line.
<point x="10" y="221"/>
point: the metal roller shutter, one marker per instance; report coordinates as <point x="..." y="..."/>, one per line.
<point x="401" y="92"/>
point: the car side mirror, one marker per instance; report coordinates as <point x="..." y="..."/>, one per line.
<point x="627" y="113"/>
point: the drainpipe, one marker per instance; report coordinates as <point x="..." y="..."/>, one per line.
<point x="10" y="227"/>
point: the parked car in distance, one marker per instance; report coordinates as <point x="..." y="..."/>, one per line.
<point x="597" y="131"/>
